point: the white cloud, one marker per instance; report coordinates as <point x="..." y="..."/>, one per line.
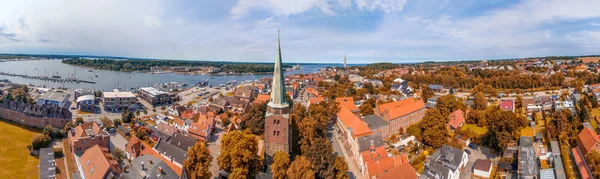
<point x="382" y="5"/>
<point x="594" y="24"/>
<point x="151" y="21"/>
<point x="291" y="7"/>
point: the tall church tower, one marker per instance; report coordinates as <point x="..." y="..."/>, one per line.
<point x="277" y="124"/>
<point x="344" y="61"/>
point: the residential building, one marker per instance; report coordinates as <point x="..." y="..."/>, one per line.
<point x="482" y="168"/>
<point x="166" y="128"/>
<point x="547" y="174"/>
<point x="244" y="93"/>
<point x="366" y="145"/>
<point x="97" y="163"/>
<point x="436" y="88"/>
<point x="47" y="166"/>
<point x="445" y="163"/>
<point x="53" y="98"/>
<point x="588" y="140"/>
<point x="381" y="165"/>
<point x="355" y="78"/>
<point x="528" y="164"/>
<point x="171" y="152"/>
<point x="507" y="105"/>
<point x="377" y="124"/>
<point x="559" y="168"/>
<point x="117" y="100"/>
<point x="202" y="130"/>
<point x="134" y="148"/>
<point x="277" y="124"/>
<point x="149" y="167"/>
<point x="33" y="115"/>
<point x="351" y="128"/>
<point x="400" y="114"/>
<point x="86" y="103"/>
<point x="86" y="136"/>
<point x="582" y="166"/>
<point x="456" y="119"/>
<point x="154" y="96"/>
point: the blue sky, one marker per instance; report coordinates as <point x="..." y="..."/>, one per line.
<point x="366" y="31"/>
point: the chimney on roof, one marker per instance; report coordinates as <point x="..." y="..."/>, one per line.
<point x="142" y="165"/>
<point x="150" y="161"/>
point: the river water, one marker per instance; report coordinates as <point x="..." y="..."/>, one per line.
<point x="108" y="80"/>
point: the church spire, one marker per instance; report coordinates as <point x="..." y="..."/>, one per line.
<point x="278" y="95"/>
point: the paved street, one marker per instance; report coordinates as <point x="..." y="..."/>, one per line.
<point x="480" y="153"/>
<point x="117" y="141"/>
<point x="213" y="146"/>
<point x="354" y="170"/>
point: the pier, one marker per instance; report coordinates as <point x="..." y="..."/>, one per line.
<point x="57" y="79"/>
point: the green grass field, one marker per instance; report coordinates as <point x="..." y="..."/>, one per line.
<point x="15" y="160"/>
<point x="479" y="130"/>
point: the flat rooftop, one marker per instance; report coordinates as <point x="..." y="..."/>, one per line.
<point x="153" y="91"/>
<point x="118" y="94"/>
<point x="54" y="96"/>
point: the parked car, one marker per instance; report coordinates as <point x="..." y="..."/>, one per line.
<point x="467" y="151"/>
<point x="473" y="146"/>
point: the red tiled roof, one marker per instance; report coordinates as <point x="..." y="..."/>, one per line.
<point x="178" y="121"/>
<point x="507" y="105"/>
<point x="188" y="113"/>
<point x="80" y="130"/>
<point x="316" y="100"/>
<point x="347" y="102"/>
<point x="380" y="165"/>
<point x="400" y="108"/>
<point x="199" y="130"/>
<point x="166" y="128"/>
<point x="134" y="146"/>
<point x="589" y="139"/>
<point x="96" y="162"/>
<point x="261" y="98"/>
<point x="351" y="121"/>
<point x="584" y="170"/>
<point x="456" y="118"/>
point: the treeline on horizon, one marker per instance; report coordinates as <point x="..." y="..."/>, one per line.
<point x="457" y="77"/>
<point x="145" y="65"/>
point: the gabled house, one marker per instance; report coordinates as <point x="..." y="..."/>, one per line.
<point x="507" y="105"/>
<point x="244" y="93"/>
<point x="87" y="135"/>
<point x="456" y="120"/>
<point x="97" y="163"/>
<point x="149" y="167"/>
<point x="445" y="163"/>
<point x="202" y="129"/>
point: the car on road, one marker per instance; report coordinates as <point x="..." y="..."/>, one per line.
<point x="473" y="146"/>
<point x="467" y="151"/>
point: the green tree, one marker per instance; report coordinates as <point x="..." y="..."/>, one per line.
<point x="40" y="141"/>
<point x="341" y="167"/>
<point x="367" y="107"/>
<point x="281" y="163"/>
<point x="142" y="133"/>
<point x="300" y="169"/>
<point x="433" y="127"/>
<point x="79" y="120"/>
<point x="480" y="102"/>
<point x="118" y="154"/>
<point x="198" y="162"/>
<point x="503" y="128"/>
<point x="255" y="119"/>
<point x="449" y="103"/>
<point x="426" y="93"/>
<point x="593" y="159"/>
<point x="239" y="158"/>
